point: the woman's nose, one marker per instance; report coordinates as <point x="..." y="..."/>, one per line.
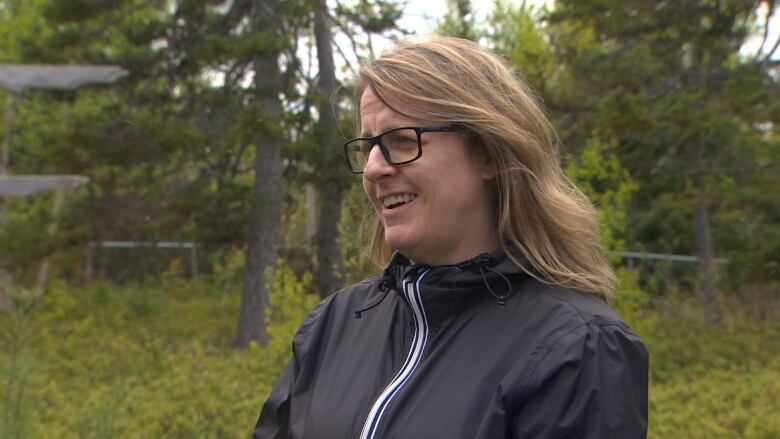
<point x="376" y="165"/>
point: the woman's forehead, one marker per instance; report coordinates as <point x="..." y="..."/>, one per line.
<point x="376" y="116"/>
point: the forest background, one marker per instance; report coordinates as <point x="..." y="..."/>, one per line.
<point x="226" y="134"/>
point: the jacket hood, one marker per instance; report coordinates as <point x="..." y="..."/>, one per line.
<point x="488" y="273"/>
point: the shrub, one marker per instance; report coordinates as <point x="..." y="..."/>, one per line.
<point x="109" y="361"/>
<point x="154" y="361"/>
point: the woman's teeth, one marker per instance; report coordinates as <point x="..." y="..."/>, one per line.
<point x="395" y="200"/>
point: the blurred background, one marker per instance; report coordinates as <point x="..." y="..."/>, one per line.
<point x="174" y="199"/>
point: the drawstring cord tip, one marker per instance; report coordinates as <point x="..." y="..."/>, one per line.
<point x="479" y="265"/>
<point x="358" y="312"/>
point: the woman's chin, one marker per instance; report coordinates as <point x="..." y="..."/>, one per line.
<point x="399" y="240"/>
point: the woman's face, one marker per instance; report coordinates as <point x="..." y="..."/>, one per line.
<point x="438" y="209"/>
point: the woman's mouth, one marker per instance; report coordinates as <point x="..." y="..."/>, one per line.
<point x="397" y="200"/>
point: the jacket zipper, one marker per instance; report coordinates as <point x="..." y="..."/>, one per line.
<point x="412" y="294"/>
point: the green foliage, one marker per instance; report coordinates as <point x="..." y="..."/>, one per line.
<point x="164" y="148"/>
<point x="372" y="17"/>
<point x="597" y="171"/>
<point x="732" y="402"/>
<point x="107" y="361"/>
<point x="352" y="235"/>
<point x="291" y="300"/>
<point x="516" y="34"/>
<point x="23" y="24"/>
<point x="714" y="381"/>
<point x="633" y="87"/>
<point x="632" y="304"/>
<point x="691" y="118"/>
<point x="18" y="363"/>
<point x="458" y="21"/>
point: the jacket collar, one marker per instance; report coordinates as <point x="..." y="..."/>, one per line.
<point x="454" y="276"/>
<point x="448" y="290"/>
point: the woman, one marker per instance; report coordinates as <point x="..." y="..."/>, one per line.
<point x="490" y="319"/>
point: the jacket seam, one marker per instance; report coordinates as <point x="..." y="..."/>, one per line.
<point x="587" y="321"/>
<point x="557" y="339"/>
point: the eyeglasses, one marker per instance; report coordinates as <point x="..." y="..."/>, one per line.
<point x="398" y="146"/>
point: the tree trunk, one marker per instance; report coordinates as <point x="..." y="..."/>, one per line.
<point x="329" y="276"/>
<point x="8" y="117"/>
<point x="708" y="285"/>
<point x="6" y="301"/>
<point x="267" y="189"/>
<point x="329" y="267"/>
<point x="51" y="231"/>
<point x="702" y="236"/>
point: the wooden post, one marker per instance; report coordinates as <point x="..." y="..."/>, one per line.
<point x="6" y="283"/>
<point x="89" y="265"/>
<point x="43" y="271"/>
<point x="194" y="260"/>
<point x="8" y="119"/>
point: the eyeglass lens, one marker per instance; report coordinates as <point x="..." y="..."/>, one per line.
<point x="400" y="145"/>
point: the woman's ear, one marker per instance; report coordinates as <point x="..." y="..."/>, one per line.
<point x="487" y="167"/>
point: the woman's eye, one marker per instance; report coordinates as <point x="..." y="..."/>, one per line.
<point x="398" y="140"/>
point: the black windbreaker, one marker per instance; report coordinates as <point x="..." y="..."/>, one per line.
<point x="474" y="350"/>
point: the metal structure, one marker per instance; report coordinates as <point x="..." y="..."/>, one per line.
<point x="19" y="77"/>
<point x="16" y="78"/>
<point x="630" y="257"/>
<point x="26" y="185"/>
<point x="89" y="268"/>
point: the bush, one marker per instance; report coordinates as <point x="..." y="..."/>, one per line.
<point x="109" y="361"/>
<point x="714" y="382"/>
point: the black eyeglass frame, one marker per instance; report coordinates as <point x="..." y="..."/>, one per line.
<point x="377" y="140"/>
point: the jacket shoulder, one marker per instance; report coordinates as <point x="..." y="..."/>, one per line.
<point x="338" y="305"/>
<point x="587" y="379"/>
<point x="563" y="316"/>
<point x="569" y="305"/>
<point x="579" y="343"/>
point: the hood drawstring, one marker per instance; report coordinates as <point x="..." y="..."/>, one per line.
<point x="386" y="284"/>
<point x="479" y="265"/>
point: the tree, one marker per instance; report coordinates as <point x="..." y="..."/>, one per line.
<point x="459" y="20"/>
<point x="667" y="80"/>
<point x="169" y="150"/>
<point x="266" y="203"/>
<point x="324" y="155"/>
<point x="327" y="160"/>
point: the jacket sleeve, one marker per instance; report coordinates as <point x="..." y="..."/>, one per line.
<point x="274" y="420"/>
<point x="590" y="383"/>
<point x="275" y="415"/>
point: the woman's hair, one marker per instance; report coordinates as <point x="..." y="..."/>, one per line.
<point x="541" y="216"/>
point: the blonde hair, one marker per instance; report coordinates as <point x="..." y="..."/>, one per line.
<point x="541" y="216"/>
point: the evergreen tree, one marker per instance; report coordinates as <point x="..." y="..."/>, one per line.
<point x="328" y="161"/>
<point x="668" y="82"/>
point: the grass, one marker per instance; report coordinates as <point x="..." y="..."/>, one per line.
<point x="154" y="361"/>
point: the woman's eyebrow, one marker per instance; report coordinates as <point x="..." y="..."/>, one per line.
<point x="391" y="127"/>
<point x="368" y="133"/>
